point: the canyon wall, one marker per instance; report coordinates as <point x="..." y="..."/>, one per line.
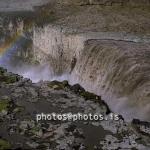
<point x="59" y="46"/>
<point x="107" y="2"/>
<point x="113" y="65"/>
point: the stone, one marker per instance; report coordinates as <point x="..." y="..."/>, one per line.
<point x="56" y="85"/>
<point x="77" y="89"/>
<point x="90" y="96"/>
<point x="18" y="109"/>
<point x="4" y="104"/>
<point x="32" y="144"/>
<point x="26" y="124"/>
<point x="32" y="92"/>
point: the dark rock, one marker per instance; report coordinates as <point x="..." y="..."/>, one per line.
<point x="56" y="85"/>
<point x="71" y="128"/>
<point x="65" y="83"/>
<point x="138" y="122"/>
<point x="2" y="70"/>
<point x="77" y="89"/>
<point x="76" y="144"/>
<point x="108" y="111"/>
<point x="4" y="145"/>
<point x="90" y="96"/>
<point x="78" y="133"/>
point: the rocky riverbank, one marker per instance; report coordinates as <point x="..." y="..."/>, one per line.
<point x="21" y="100"/>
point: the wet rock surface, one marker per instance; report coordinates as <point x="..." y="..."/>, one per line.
<point x="21" y="101"/>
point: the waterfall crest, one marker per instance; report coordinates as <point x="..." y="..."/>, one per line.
<point x="120" y="72"/>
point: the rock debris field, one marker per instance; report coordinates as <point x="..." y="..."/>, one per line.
<point x="21" y="100"/>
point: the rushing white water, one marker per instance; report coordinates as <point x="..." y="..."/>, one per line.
<point x="36" y="73"/>
<point x="39" y="73"/>
<point x="120" y="72"/>
<point x="117" y="70"/>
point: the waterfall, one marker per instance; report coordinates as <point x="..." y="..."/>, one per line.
<point x="120" y="72"/>
<point x="113" y="65"/>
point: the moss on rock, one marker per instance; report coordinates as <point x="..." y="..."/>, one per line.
<point x="8" y="79"/>
<point x="4" y="145"/>
<point x="2" y="71"/>
<point x="90" y="96"/>
<point x="4" y="104"/>
<point x="56" y="85"/>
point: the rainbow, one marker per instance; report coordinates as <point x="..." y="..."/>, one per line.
<point x="4" y="47"/>
<point x="11" y="41"/>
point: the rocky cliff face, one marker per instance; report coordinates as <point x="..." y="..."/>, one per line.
<point x="58" y="46"/>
